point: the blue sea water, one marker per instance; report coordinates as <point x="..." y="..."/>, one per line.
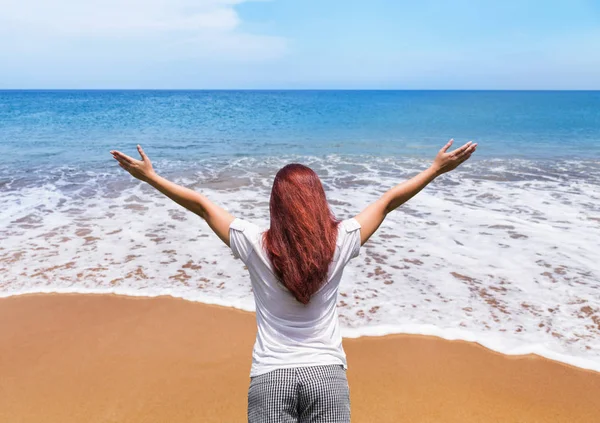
<point x="502" y="251"/>
<point x="80" y="126"/>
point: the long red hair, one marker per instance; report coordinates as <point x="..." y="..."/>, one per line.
<point x="301" y="240"/>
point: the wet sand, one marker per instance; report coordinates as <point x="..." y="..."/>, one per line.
<point x="104" y="358"/>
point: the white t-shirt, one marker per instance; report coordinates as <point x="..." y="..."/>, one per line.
<point x="292" y="334"/>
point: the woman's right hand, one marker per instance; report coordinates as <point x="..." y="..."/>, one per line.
<point x="445" y="162"/>
<point x="140" y="169"/>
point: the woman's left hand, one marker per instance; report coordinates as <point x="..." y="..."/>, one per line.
<point x="140" y="169"/>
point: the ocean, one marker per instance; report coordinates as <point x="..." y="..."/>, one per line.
<point x="502" y="251"/>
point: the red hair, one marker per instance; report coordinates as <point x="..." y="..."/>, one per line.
<point x="301" y="240"/>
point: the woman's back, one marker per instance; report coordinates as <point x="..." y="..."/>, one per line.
<point x="290" y="333"/>
<point x="299" y="366"/>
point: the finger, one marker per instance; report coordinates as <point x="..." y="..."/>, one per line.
<point x="124" y="166"/>
<point x="460" y="150"/>
<point x="122" y="160"/>
<point x="142" y="154"/>
<point x="123" y="156"/>
<point x="468" y="150"/>
<point x="447" y="146"/>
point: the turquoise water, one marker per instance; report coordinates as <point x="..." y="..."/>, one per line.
<point x="503" y="251"/>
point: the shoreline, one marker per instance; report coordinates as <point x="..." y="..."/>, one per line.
<point x="98" y="358"/>
<point x="433" y="331"/>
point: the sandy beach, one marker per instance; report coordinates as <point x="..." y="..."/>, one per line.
<point x="104" y="358"/>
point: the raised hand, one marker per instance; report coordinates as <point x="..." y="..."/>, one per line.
<point x="140" y="169"/>
<point x="445" y="162"/>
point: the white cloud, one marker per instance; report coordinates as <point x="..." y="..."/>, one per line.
<point x="203" y="26"/>
<point x="114" y="17"/>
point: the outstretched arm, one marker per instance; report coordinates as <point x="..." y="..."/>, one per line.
<point x="217" y="218"/>
<point x="371" y="217"/>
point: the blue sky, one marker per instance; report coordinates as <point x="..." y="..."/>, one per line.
<point x="382" y="44"/>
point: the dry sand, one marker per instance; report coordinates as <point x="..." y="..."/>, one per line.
<point x="105" y="358"/>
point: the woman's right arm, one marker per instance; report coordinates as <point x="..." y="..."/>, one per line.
<point x="370" y="218"/>
<point x="217" y="217"/>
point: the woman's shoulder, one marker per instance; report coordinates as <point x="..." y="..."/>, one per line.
<point x="350" y="225"/>
<point x="245" y="237"/>
<point x="239" y="224"/>
<point x="348" y="240"/>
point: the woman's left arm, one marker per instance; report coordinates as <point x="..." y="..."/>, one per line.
<point x="217" y="218"/>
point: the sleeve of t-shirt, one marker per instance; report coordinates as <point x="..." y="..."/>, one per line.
<point x="350" y="239"/>
<point x="243" y="236"/>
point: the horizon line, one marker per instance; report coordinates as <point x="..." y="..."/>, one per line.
<point x="303" y="89"/>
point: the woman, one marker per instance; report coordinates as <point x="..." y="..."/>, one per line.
<point x="299" y="366"/>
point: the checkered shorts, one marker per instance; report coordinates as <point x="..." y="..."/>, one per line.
<point x="300" y="394"/>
